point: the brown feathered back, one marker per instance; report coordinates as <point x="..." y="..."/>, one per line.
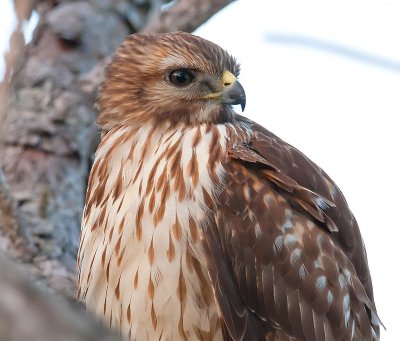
<point x="285" y="251"/>
<point x="307" y="174"/>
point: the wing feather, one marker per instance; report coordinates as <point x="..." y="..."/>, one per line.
<point x="276" y="253"/>
<point x="308" y="175"/>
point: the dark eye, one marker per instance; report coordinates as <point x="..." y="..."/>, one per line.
<point x="181" y="77"/>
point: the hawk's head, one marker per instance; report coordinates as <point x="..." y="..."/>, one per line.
<point x="175" y="76"/>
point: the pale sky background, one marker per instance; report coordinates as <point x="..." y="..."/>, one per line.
<point x="325" y="77"/>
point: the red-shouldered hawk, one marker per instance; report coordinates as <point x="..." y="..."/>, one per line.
<point x="200" y="224"/>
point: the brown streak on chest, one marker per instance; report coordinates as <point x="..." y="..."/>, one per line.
<point x="115" y="144"/>
<point x="138" y="220"/>
<point x="118" y="184"/>
<point x="175" y="161"/>
<point x="181" y="293"/>
<point x="170" y="151"/>
<point x="100" y="218"/>
<point x="171" y="249"/>
<point x="103" y="168"/>
<point x="105" y="225"/>
<point x="153" y="316"/>
<point x="165" y="193"/>
<point x="139" y="170"/>
<point x="177" y="175"/>
<point x="215" y="155"/>
<point x="110" y="234"/>
<point x="193" y="230"/>
<point x="161" y="209"/>
<point x="104" y="202"/>
<point x="140" y="188"/>
<point x="150" y="289"/>
<point x="91" y="264"/>
<point x="129" y="313"/>
<point x="118" y="246"/>
<point x="153" y="173"/>
<point x="92" y="175"/>
<point x="119" y="260"/>
<point x="196" y="138"/>
<point x="152" y="201"/>
<point x="146" y="146"/>
<point x="136" y="280"/>
<point x="111" y="318"/>
<point x="172" y="133"/>
<point x="150" y="180"/>
<point x="104" y="139"/>
<point x="162" y="180"/>
<point x="177" y="230"/>
<point x="104" y="307"/>
<point x="120" y="202"/>
<point x="193" y="169"/>
<point x="108" y="270"/>
<point x="151" y="253"/>
<point x="159" y="214"/>
<point x="98" y="193"/>
<point x="117" y="291"/>
<point x="131" y="152"/>
<point x="189" y="261"/>
<point x="121" y="225"/>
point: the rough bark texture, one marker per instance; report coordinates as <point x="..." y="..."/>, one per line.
<point x="47" y="137"/>
<point x="49" y="132"/>
<point x="184" y="15"/>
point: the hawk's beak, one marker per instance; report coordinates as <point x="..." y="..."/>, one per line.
<point x="232" y="92"/>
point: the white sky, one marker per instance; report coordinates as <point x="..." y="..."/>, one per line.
<point x="325" y="76"/>
<point x="7" y="23"/>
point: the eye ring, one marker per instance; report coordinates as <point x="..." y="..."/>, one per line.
<point x="181" y="77"/>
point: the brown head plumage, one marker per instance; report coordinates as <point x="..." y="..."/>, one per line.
<point x="139" y="81"/>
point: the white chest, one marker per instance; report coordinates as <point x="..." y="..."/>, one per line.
<point x="140" y="258"/>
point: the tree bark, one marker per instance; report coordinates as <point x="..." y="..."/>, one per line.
<point x="49" y="132"/>
<point x="47" y="137"/>
<point x="27" y="313"/>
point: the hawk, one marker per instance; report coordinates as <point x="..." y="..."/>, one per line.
<point x="200" y="224"/>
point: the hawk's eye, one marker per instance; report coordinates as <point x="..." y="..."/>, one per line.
<point x="181" y="77"/>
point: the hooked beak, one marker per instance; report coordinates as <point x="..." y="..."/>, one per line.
<point x="233" y="92"/>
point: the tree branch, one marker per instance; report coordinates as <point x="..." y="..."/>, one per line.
<point x="28" y="313"/>
<point x="184" y="15"/>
